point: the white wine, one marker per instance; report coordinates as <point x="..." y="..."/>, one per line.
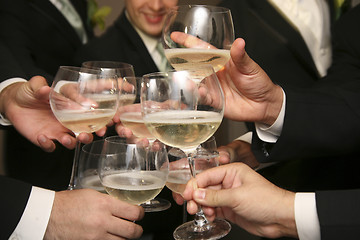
<point x="134" y="121"/>
<point x="126" y="99"/>
<point x="185" y="58"/>
<point x="184" y="129"/>
<point x="92" y="182"/>
<point x="134" y="187"/>
<point x="85" y="120"/>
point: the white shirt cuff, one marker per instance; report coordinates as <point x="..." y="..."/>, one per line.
<point x="247" y="137"/>
<point x="272" y="133"/>
<point x="34" y="221"/>
<point x="306" y="218"/>
<point x="4" y="84"/>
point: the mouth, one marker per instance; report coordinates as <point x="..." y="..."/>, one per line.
<point x="154" y="18"/>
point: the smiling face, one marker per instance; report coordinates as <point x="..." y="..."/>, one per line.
<point x="149" y="15"/>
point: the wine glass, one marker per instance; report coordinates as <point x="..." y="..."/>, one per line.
<point x="131" y="117"/>
<point x="136" y="173"/>
<point x="126" y="74"/>
<point x="90" y="157"/>
<point x="212" y="26"/>
<point x="211" y="31"/>
<point x="183" y="111"/>
<point x="83" y="100"/>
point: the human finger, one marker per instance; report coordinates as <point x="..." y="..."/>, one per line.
<point x="189" y="41"/>
<point x="122" y="228"/>
<point x="45" y="143"/>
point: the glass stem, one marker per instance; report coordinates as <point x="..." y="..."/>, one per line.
<point x="200" y="221"/>
<point x="75" y="167"/>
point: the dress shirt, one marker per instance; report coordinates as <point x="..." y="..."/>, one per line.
<point x="306" y="218"/>
<point x="312" y="19"/>
<point x="35" y="218"/>
<point x="4" y="84"/>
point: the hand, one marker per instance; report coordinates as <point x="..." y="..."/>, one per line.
<point x="88" y="214"/>
<point x="249" y="93"/>
<point x="26" y="105"/>
<point x="241" y="195"/>
<point x="237" y="151"/>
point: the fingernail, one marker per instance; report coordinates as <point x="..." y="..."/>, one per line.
<point x="86" y="138"/>
<point x="199" y="194"/>
<point x="42" y="139"/>
<point x="67" y="141"/>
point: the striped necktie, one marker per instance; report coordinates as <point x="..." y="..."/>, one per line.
<point x="164" y="63"/>
<point x="72" y="16"/>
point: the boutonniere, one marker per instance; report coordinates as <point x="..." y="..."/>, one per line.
<point x="97" y="15"/>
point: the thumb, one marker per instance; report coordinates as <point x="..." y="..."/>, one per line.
<point x="214" y="198"/>
<point x="241" y="59"/>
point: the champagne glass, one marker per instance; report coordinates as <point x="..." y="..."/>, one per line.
<point x="90" y="157"/>
<point x="211" y="30"/>
<point x="183" y="111"/>
<point x="126" y="74"/>
<point x="83" y="100"/>
<point x="136" y="173"/>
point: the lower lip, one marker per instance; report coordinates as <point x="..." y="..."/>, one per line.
<point x="154" y="20"/>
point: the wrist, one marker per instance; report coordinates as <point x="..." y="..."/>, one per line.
<point x="286" y="217"/>
<point x="7" y="97"/>
<point x="274" y="105"/>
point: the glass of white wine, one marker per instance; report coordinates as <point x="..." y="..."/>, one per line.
<point x="126" y="75"/>
<point x="83" y="100"/>
<point x="182" y="110"/>
<point x="211" y="33"/>
<point x="131" y="117"/>
<point x="136" y="173"/>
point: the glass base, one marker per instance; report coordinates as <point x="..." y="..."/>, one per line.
<point x="156" y="205"/>
<point x="217" y="229"/>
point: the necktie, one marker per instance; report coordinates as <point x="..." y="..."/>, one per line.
<point x="72" y="16"/>
<point x="164" y="65"/>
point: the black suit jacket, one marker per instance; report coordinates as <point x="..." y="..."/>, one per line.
<point x="119" y="43"/>
<point x="273" y="42"/>
<point x="39" y="36"/>
<point x="40" y="39"/>
<point x="322" y="123"/>
<point x="14" y="194"/>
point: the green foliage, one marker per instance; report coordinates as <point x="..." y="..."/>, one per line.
<point x="97" y="15"/>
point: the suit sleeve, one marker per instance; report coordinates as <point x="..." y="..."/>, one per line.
<point x="9" y="68"/>
<point x="323" y="120"/>
<point x="339" y="214"/>
<point x="13" y="200"/>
